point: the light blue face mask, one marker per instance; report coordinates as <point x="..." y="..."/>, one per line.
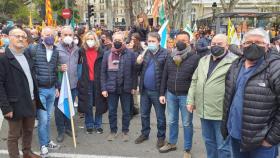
<point x="6" y="42"/>
<point x="152" y="47"/>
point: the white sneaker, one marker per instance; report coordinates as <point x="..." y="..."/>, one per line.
<point x="36" y="123"/>
<point x="53" y="146"/>
<point x="44" y="151"/>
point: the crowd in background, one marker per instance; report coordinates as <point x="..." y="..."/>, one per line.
<point x="230" y="86"/>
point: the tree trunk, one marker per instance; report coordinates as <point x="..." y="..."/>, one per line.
<point x="109" y="9"/>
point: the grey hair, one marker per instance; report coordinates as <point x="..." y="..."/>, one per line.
<point x="155" y="35"/>
<point x="257" y="32"/>
<point x="118" y="33"/>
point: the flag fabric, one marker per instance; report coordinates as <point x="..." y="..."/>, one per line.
<point x="1" y="120"/>
<point x="229" y="30"/>
<point x="72" y="22"/>
<point x="232" y="35"/>
<point x="65" y="101"/>
<point x="49" y="17"/>
<point x="189" y="31"/>
<point x="155" y="8"/>
<point x="163" y="34"/>
<point x="195" y="27"/>
<point x="161" y="13"/>
<point x="30" y="20"/>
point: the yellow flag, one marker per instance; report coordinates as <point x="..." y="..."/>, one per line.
<point x="229" y="32"/>
<point x="30" y="21"/>
<point x="49" y="17"/>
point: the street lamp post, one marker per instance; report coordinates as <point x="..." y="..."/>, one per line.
<point x="214" y="9"/>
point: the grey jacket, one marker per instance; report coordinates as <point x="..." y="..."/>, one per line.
<point x="71" y="59"/>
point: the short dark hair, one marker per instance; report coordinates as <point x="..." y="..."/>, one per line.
<point x="183" y="33"/>
<point x="155" y="35"/>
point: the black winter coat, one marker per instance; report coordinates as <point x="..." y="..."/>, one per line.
<point x="46" y="72"/>
<point x="261" y="104"/>
<point x="99" y="101"/>
<point x="159" y="58"/>
<point x="14" y="88"/>
<point x="178" y="79"/>
<point x="123" y="80"/>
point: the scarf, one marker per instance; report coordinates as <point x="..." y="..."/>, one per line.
<point x="114" y="58"/>
<point x="179" y="56"/>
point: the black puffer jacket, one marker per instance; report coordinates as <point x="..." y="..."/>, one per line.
<point x="261" y="104"/>
<point x="178" y="79"/>
<point x="46" y="72"/>
<point x="99" y="101"/>
<point x="159" y="58"/>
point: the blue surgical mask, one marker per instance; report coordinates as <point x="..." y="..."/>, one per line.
<point x="152" y="47"/>
<point x="6" y="42"/>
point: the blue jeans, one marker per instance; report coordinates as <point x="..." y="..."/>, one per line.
<point x="216" y="146"/>
<point x="47" y="97"/>
<point x="260" y="152"/>
<point x="61" y="121"/>
<point x="91" y="122"/>
<point x="149" y="98"/>
<point x="174" y="104"/>
<point x="113" y="100"/>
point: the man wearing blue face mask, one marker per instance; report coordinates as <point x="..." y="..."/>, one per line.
<point x="45" y="56"/>
<point x="151" y="65"/>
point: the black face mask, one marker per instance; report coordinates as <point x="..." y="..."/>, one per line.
<point x="117" y="44"/>
<point x="181" y="45"/>
<point x="253" y="52"/>
<point x="217" y="51"/>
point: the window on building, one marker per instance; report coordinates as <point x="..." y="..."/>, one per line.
<point x="101" y="15"/>
<point x="101" y="1"/>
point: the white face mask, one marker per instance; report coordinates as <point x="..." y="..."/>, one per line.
<point x="76" y="41"/>
<point x="90" y="43"/>
<point x="68" y="40"/>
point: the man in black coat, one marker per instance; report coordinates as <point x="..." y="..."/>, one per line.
<point x="251" y="118"/>
<point x="150" y="66"/>
<point x="176" y="80"/>
<point x="19" y="96"/>
<point x="118" y="82"/>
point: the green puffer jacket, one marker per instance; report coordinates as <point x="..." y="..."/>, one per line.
<point x="207" y="95"/>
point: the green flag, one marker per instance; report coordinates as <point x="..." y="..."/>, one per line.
<point x="72" y="22"/>
<point x="161" y="13"/>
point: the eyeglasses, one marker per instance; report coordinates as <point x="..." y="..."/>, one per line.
<point x="19" y="36"/>
<point x="259" y="43"/>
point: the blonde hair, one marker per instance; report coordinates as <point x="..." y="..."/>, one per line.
<point x="145" y="20"/>
<point x="90" y="33"/>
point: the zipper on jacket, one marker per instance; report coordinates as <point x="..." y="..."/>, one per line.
<point x="203" y="98"/>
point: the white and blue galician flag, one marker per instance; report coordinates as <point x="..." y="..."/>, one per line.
<point x="65" y="102"/>
<point x="189" y="31"/>
<point x="163" y="34"/>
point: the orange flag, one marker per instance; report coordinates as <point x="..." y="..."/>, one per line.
<point x="155" y="8"/>
<point x="49" y="17"/>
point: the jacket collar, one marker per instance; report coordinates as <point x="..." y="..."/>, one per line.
<point x="13" y="60"/>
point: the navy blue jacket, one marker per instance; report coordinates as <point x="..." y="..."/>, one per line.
<point x="159" y="58"/>
<point x="123" y="80"/>
<point x="201" y="46"/>
<point x="46" y="72"/>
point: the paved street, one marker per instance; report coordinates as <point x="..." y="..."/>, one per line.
<point x="96" y="146"/>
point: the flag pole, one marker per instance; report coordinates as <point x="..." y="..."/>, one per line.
<point x="71" y="111"/>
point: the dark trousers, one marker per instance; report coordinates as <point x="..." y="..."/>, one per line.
<point x="17" y="128"/>
<point x="149" y="98"/>
<point x="113" y="100"/>
<point x="259" y="152"/>
<point x="61" y="121"/>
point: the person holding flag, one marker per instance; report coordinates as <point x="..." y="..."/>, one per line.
<point x="68" y="60"/>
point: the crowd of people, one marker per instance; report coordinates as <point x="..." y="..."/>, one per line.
<point x="234" y="90"/>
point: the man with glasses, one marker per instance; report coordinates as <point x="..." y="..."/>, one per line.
<point x="252" y="108"/>
<point x="45" y="57"/>
<point x="206" y="95"/>
<point x="19" y="97"/>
